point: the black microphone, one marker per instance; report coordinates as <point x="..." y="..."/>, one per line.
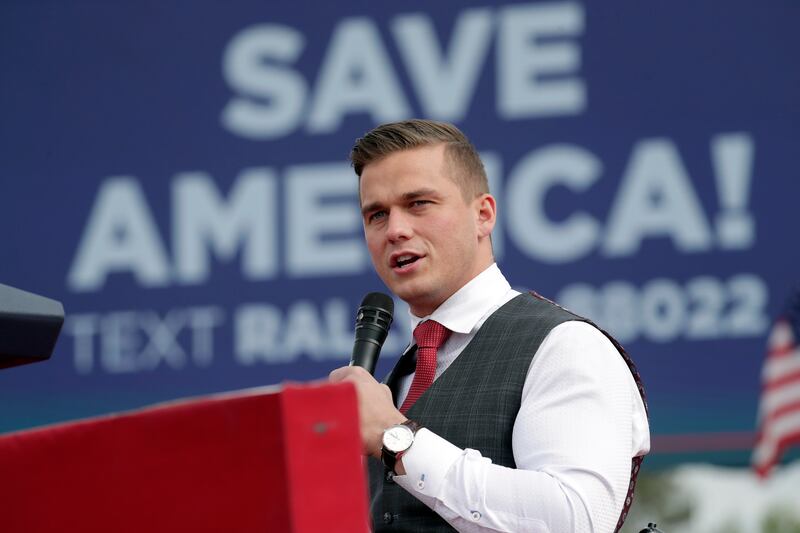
<point x="372" y="325"/>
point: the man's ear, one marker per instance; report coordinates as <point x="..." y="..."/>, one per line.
<point x="486" y="211"/>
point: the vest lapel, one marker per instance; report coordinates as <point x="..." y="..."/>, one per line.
<point x="404" y="366"/>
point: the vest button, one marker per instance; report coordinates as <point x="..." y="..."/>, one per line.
<point x="387" y="518"/>
<point x="389" y="477"/>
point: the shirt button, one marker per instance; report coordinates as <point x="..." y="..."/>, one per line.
<point x="387" y="518"/>
<point x="389" y="476"/>
<point x="475" y="515"/>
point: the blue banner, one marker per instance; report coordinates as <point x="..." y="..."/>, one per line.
<point x="176" y="174"/>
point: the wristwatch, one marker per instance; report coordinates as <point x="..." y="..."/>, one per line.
<point x="396" y="441"/>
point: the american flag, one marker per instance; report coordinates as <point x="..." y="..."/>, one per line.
<point x="779" y="409"/>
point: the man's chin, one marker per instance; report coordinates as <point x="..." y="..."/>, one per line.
<point x="409" y="293"/>
<point x="421" y="300"/>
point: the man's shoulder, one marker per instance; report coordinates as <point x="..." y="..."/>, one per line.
<point x="526" y="318"/>
<point x="530" y="305"/>
<point x="563" y="323"/>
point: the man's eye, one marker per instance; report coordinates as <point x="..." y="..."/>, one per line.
<point x="418" y="203"/>
<point x="377" y="215"/>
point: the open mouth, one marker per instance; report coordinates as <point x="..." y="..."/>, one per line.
<point x="403" y="260"/>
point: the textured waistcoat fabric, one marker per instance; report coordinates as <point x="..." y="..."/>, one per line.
<point x="473" y="404"/>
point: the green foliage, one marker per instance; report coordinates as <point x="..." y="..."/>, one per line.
<point x="729" y="527"/>
<point x="781" y="520"/>
<point x="657" y="499"/>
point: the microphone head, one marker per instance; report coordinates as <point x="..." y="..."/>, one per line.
<point x="380" y="301"/>
<point x="373" y="320"/>
<point x="374" y="317"/>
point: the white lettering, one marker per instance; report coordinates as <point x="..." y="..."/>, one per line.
<point x="444" y="85"/>
<point x="163" y="340"/>
<point x="202" y="322"/>
<point x="83" y="328"/>
<point x="121" y="236"/>
<point x="656" y="198"/>
<point x="143" y="341"/>
<point x="527" y="186"/>
<point x="120" y="342"/>
<point x="732" y="157"/>
<point x="314" y="219"/>
<point x="257" y="328"/>
<point x="339" y="317"/>
<point x="303" y="330"/>
<point x="356" y="76"/>
<point x="274" y="95"/>
<point x="203" y="221"/>
<point x="523" y="61"/>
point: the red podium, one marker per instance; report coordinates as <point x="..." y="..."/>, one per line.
<point x="279" y="459"/>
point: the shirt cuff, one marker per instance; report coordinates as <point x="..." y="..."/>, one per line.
<point x="426" y="464"/>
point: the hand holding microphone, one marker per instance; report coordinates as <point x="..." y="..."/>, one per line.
<point x="375" y="404"/>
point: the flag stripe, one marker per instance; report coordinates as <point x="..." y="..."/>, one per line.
<point x="774" y="436"/>
<point x="778" y="366"/>
<point x="773" y="399"/>
<point x="783" y="381"/>
<point x="783" y="410"/>
<point x="779" y="406"/>
<point x="763" y="468"/>
<point x="779" y="352"/>
<point x="780" y="339"/>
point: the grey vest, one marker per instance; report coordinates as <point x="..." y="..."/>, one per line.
<point x="473" y="404"/>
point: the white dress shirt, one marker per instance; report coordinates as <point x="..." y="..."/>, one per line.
<point x="580" y="422"/>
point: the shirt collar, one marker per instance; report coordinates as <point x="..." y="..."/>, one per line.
<point x="465" y="308"/>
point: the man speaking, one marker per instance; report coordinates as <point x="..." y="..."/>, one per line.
<point x="507" y="412"/>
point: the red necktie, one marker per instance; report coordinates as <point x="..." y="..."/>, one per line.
<point x="429" y="335"/>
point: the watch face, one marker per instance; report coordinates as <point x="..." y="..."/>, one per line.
<point x="398" y="438"/>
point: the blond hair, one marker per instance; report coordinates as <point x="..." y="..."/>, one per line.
<point x="465" y="164"/>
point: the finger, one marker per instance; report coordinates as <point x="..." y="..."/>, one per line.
<point x="355" y="373"/>
<point x="386" y="390"/>
<point x="339" y="374"/>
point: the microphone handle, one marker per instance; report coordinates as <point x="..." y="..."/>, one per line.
<point x="365" y="354"/>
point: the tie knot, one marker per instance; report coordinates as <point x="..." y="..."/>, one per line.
<point x="430" y="334"/>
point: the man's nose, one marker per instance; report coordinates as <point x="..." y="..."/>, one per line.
<point x="399" y="227"/>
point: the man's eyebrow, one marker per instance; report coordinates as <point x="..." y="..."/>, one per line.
<point x="374" y="206"/>
<point x="413" y="195"/>
<point x="406" y="197"/>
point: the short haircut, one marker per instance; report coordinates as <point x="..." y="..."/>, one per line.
<point x="466" y="167"/>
